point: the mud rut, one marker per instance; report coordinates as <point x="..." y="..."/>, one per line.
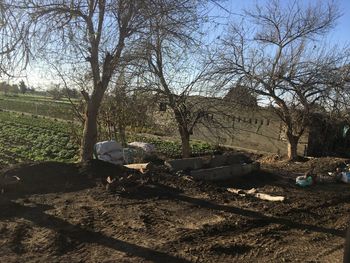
<point x="171" y="219"/>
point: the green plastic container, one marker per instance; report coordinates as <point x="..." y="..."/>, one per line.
<point x="301" y="181"/>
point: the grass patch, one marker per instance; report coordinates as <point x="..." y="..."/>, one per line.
<point x="38" y="105"/>
<point x="172" y="148"/>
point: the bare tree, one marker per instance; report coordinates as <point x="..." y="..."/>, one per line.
<point x="124" y="108"/>
<point x="172" y="72"/>
<point x="277" y="53"/>
<point x="95" y="35"/>
<point x="13" y="41"/>
<point x="55" y="91"/>
<point x="23" y="87"/>
<point x="91" y="34"/>
<point x="242" y="96"/>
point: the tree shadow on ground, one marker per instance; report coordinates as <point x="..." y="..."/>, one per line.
<point x="54" y="177"/>
<point x="172" y="194"/>
<point x="257" y="179"/>
<point x="43" y="178"/>
<point x="38" y="216"/>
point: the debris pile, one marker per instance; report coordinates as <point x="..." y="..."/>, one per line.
<point x="113" y="152"/>
<point x="336" y="171"/>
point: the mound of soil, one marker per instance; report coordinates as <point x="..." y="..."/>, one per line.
<point x="62" y="213"/>
<point x="47" y="177"/>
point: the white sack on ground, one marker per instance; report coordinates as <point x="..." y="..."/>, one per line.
<point x="146" y="147"/>
<point x="107" y="146"/>
<point x="109" y="151"/>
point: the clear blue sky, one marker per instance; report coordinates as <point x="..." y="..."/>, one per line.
<point x="339" y="35"/>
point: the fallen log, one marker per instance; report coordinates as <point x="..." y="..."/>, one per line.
<point x="253" y="192"/>
<point x="268" y="197"/>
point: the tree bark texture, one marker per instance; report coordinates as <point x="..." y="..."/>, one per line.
<point x="89" y="133"/>
<point x="292" y="146"/>
<point x="90" y="126"/>
<point x="185" y="142"/>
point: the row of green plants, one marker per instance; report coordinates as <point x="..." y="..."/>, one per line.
<point x="172" y="148"/>
<point x="34" y="98"/>
<point x="26" y="138"/>
<point x="32" y="138"/>
<point x="48" y="108"/>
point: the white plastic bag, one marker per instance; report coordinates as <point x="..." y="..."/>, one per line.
<point x="109" y="151"/>
<point x="107" y="146"/>
<point x="146" y="147"/>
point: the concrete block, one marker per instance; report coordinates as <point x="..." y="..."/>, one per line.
<point x="185" y="164"/>
<point x="225" y="172"/>
<point x="212" y="174"/>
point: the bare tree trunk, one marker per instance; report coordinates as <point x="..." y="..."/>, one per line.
<point x="292" y="146"/>
<point x="185" y="142"/>
<point x="90" y="126"/>
<point x="90" y="133"/>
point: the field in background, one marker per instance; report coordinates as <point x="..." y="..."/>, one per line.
<point x="35" y="138"/>
<point x="30" y="138"/>
<point x="38" y="105"/>
<point x="172" y="148"/>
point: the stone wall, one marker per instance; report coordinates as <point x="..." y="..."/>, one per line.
<point x="253" y="129"/>
<point x="258" y="130"/>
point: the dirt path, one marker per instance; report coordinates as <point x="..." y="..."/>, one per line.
<point x="172" y="219"/>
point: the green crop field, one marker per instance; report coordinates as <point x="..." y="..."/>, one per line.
<point x="172" y="148"/>
<point x="38" y="105"/>
<point x="26" y="138"/>
<point x="34" y="138"/>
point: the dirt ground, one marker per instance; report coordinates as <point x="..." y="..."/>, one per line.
<point x="62" y="213"/>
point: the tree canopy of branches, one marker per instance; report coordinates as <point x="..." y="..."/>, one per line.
<point x="13" y="39"/>
<point x="95" y="37"/>
<point x="7" y="88"/>
<point x="172" y="72"/>
<point x="276" y="51"/>
<point x="242" y="96"/>
<point x="22" y="87"/>
<point x="124" y="107"/>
